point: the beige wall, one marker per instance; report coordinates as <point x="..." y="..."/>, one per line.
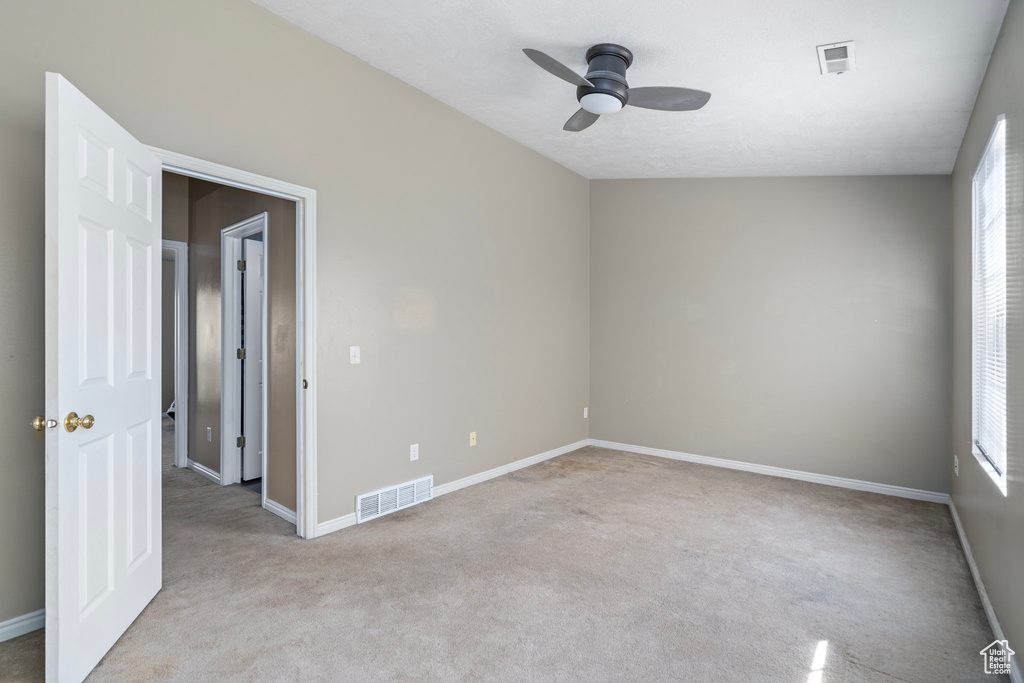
<point x="994" y="524"/>
<point x="22" y="580"/>
<point x="454" y="256"/>
<point x="214" y="208"/>
<point x="801" y="323"/>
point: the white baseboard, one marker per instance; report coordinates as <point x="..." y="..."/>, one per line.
<point x="204" y="470"/>
<point x="505" y="469"/>
<point x="842" y="482"/>
<point x="990" y="612"/>
<point x="335" y="524"/>
<point x="350" y="519"/>
<point x="19" y="626"/>
<point x="279" y="510"/>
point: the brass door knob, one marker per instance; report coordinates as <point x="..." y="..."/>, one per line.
<point x="73" y="422"/>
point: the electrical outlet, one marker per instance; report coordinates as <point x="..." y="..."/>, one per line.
<point x="353" y="355"/>
<point x="209" y="434"/>
<point x="472" y="438"/>
<point x="414" y="452"/>
<point x="585" y="412"/>
<point x="956" y="465"/>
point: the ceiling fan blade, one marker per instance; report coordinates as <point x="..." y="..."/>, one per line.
<point x="580" y="120"/>
<point x="553" y="66"/>
<point x="667" y="98"/>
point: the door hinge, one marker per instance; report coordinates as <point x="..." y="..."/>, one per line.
<point x="240" y="442"/>
<point x="241" y="265"/>
<point x="241" y="354"/>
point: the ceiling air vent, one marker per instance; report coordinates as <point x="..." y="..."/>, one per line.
<point x="373" y="505"/>
<point x="836" y="58"/>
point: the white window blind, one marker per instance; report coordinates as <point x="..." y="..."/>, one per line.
<point x="990" y="301"/>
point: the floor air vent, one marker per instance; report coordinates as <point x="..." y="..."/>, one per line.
<point x="372" y="505"/>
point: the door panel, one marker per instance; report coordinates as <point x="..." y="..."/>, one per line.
<point x="94" y="305"/>
<point x="252" y="454"/>
<point x="103" y="545"/>
<point x="138" y="289"/>
<point x="140" y="461"/>
<point x="96" y="523"/>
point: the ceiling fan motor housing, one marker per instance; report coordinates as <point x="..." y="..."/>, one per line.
<point x="606" y="69"/>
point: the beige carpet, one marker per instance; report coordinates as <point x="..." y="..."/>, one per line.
<point x="597" y="565"/>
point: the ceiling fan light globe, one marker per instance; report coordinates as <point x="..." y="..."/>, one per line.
<point x="601" y="103"/>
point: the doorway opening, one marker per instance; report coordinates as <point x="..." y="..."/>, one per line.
<point x="251" y="421"/>
<point x="242" y="417"/>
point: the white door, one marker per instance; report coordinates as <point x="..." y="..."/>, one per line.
<point x="252" y="365"/>
<point x="103" y="544"/>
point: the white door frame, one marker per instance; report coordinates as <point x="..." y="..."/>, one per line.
<point x="305" y="312"/>
<point x="231" y="253"/>
<point x="177" y="252"/>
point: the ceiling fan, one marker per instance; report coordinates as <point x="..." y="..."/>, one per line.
<point x="604" y="89"/>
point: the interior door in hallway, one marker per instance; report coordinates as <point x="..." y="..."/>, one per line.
<point x="103" y="252"/>
<point x="252" y="365"/>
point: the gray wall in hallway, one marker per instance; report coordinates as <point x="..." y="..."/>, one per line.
<point x="213" y="208"/>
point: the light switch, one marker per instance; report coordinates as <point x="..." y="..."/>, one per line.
<point x="584" y="412"/>
<point x="353" y="355"/>
<point x="472" y="438"/>
<point x="209" y="434"/>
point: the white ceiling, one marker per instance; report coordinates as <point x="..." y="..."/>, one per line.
<point x="904" y="110"/>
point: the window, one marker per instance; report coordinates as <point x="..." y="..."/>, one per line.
<point x="989" y="328"/>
